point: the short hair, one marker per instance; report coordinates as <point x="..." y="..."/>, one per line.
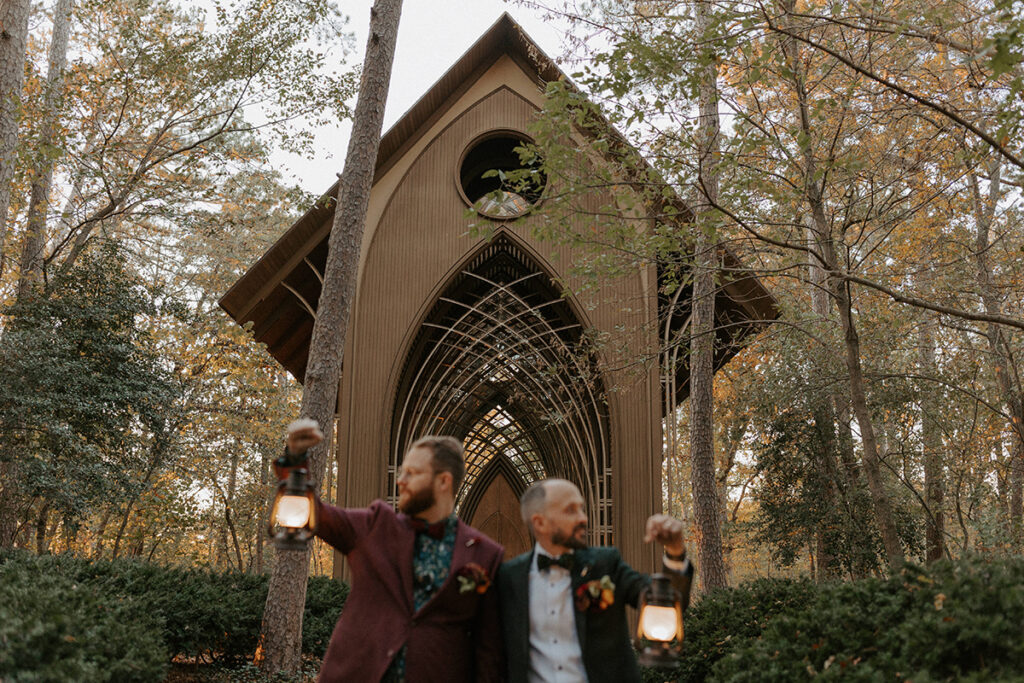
<point x="532" y="501"/>
<point x="447" y="456"/>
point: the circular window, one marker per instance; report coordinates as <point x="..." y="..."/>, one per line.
<point x="496" y="182"/>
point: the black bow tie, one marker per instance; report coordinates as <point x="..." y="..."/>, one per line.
<point x="435" y="530"/>
<point x="545" y="562"/>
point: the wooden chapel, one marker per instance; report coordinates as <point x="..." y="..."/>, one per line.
<point x="471" y="337"/>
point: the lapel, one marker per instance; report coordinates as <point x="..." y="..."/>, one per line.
<point x="405" y="537"/>
<point x="581" y="573"/>
<point x="519" y="570"/>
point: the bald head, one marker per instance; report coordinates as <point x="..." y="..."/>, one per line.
<point x="554" y="512"/>
<point x="532" y="502"/>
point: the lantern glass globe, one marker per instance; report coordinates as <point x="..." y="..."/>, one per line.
<point x="658" y="623"/>
<point x="293" y="511"/>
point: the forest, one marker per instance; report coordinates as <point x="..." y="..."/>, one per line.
<point x="862" y="159"/>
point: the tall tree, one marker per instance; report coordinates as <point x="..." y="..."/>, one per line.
<point x="14" y="16"/>
<point x="31" y="264"/>
<point x="1006" y="361"/>
<point x="842" y="292"/>
<point x="281" y="633"/>
<point x="706" y="506"/>
<point x="13" y="43"/>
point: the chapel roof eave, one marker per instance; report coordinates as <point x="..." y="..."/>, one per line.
<point x="279" y="293"/>
<point x="505" y="37"/>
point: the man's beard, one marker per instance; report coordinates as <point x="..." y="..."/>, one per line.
<point x="418" y="502"/>
<point x="569" y="540"/>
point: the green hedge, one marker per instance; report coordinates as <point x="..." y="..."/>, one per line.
<point x="54" y="629"/>
<point x="190" y="612"/>
<point x="952" y="621"/>
<point x="726" y="617"/>
<point x="961" y="620"/>
<point x="64" y="619"/>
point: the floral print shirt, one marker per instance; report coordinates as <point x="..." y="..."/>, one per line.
<point x="431" y="562"/>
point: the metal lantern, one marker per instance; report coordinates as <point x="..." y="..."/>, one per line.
<point x="660" y="624"/>
<point x="293" y="514"/>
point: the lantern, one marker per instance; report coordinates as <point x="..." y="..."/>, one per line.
<point x="660" y="624"/>
<point x="293" y="514"/>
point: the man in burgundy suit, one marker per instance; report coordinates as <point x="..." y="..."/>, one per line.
<point x="421" y="608"/>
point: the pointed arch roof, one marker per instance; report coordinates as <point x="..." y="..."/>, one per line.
<point x="279" y="293"/>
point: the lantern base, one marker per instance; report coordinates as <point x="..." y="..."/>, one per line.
<point x="291" y="541"/>
<point x="658" y="657"/>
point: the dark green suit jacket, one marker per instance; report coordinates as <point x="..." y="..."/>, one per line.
<point x="605" y="640"/>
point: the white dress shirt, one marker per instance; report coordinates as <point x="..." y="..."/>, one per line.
<point x="555" y="654"/>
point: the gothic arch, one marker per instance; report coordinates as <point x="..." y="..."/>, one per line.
<point x="501" y="362"/>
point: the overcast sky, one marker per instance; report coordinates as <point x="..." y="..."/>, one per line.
<point x="432" y="35"/>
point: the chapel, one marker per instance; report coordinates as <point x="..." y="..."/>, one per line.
<point x="481" y="334"/>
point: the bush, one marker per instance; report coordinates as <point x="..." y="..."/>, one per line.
<point x="953" y="621"/>
<point x="196" y="613"/>
<point x="725" y="618"/>
<point x="55" y="629"/>
<point x="324" y="599"/>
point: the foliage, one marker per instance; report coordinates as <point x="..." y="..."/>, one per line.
<point x="867" y="160"/>
<point x="324" y="600"/>
<point x="194" y="613"/>
<point x="794" y="500"/>
<point x="55" y="629"/>
<point x="85" y="399"/>
<point x="953" y="621"/>
<point x="250" y="673"/>
<point x="725" y="619"/>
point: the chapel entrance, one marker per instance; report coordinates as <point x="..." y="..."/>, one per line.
<point x="500" y="362"/>
<point x="493" y="517"/>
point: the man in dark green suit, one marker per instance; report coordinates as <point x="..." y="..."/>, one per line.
<point x="563" y="604"/>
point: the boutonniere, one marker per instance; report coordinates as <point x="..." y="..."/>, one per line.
<point x="472" y="577"/>
<point x="596" y="595"/>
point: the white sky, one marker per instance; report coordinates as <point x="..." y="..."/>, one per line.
<point x="432" y="35"/>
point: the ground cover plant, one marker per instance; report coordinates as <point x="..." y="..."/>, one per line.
<point x="126" y="620"/>
<point x="952" y="621"/>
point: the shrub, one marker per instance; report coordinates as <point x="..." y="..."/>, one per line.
<point x="324" y="599"/>
<point x="726" y="617"/>
<point x="197" y="613"/>
<point x="55" y="629"/>
<point x="953" y="621"/>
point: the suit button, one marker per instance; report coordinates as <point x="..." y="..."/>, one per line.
<point x="391" y="653"/>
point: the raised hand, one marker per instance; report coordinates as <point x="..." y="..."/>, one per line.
<point x="668" y="531"/>
<point x="303" y="434"/>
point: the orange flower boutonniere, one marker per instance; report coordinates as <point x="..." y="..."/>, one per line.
<point x="473" y="578"/>
<point x="596" y="595"/>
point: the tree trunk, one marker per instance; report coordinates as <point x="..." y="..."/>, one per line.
<point x="31" y="265"/>
<point x="872" y="462"/>
<point x="9" y="497"/>
<point x="825" y="421"/>
<point x="840" y="292"/>
<point x="706" y="507"/>
<point x="281" y="634"/>
<point x="120" y="530"/>
<point x="262" y="523"/>
<point x="1016" y="489"/>
<point x="14" y="16"/>
<point x="13" y="43"/>
<point x="234" y="535"/>
<point x="41" y="521"/>
<point x="97" y="549"/>
<point x="931" y="442"/>
<point x="1005" y="363"/>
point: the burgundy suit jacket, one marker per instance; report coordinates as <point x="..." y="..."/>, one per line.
<point x="453" y="638"/>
